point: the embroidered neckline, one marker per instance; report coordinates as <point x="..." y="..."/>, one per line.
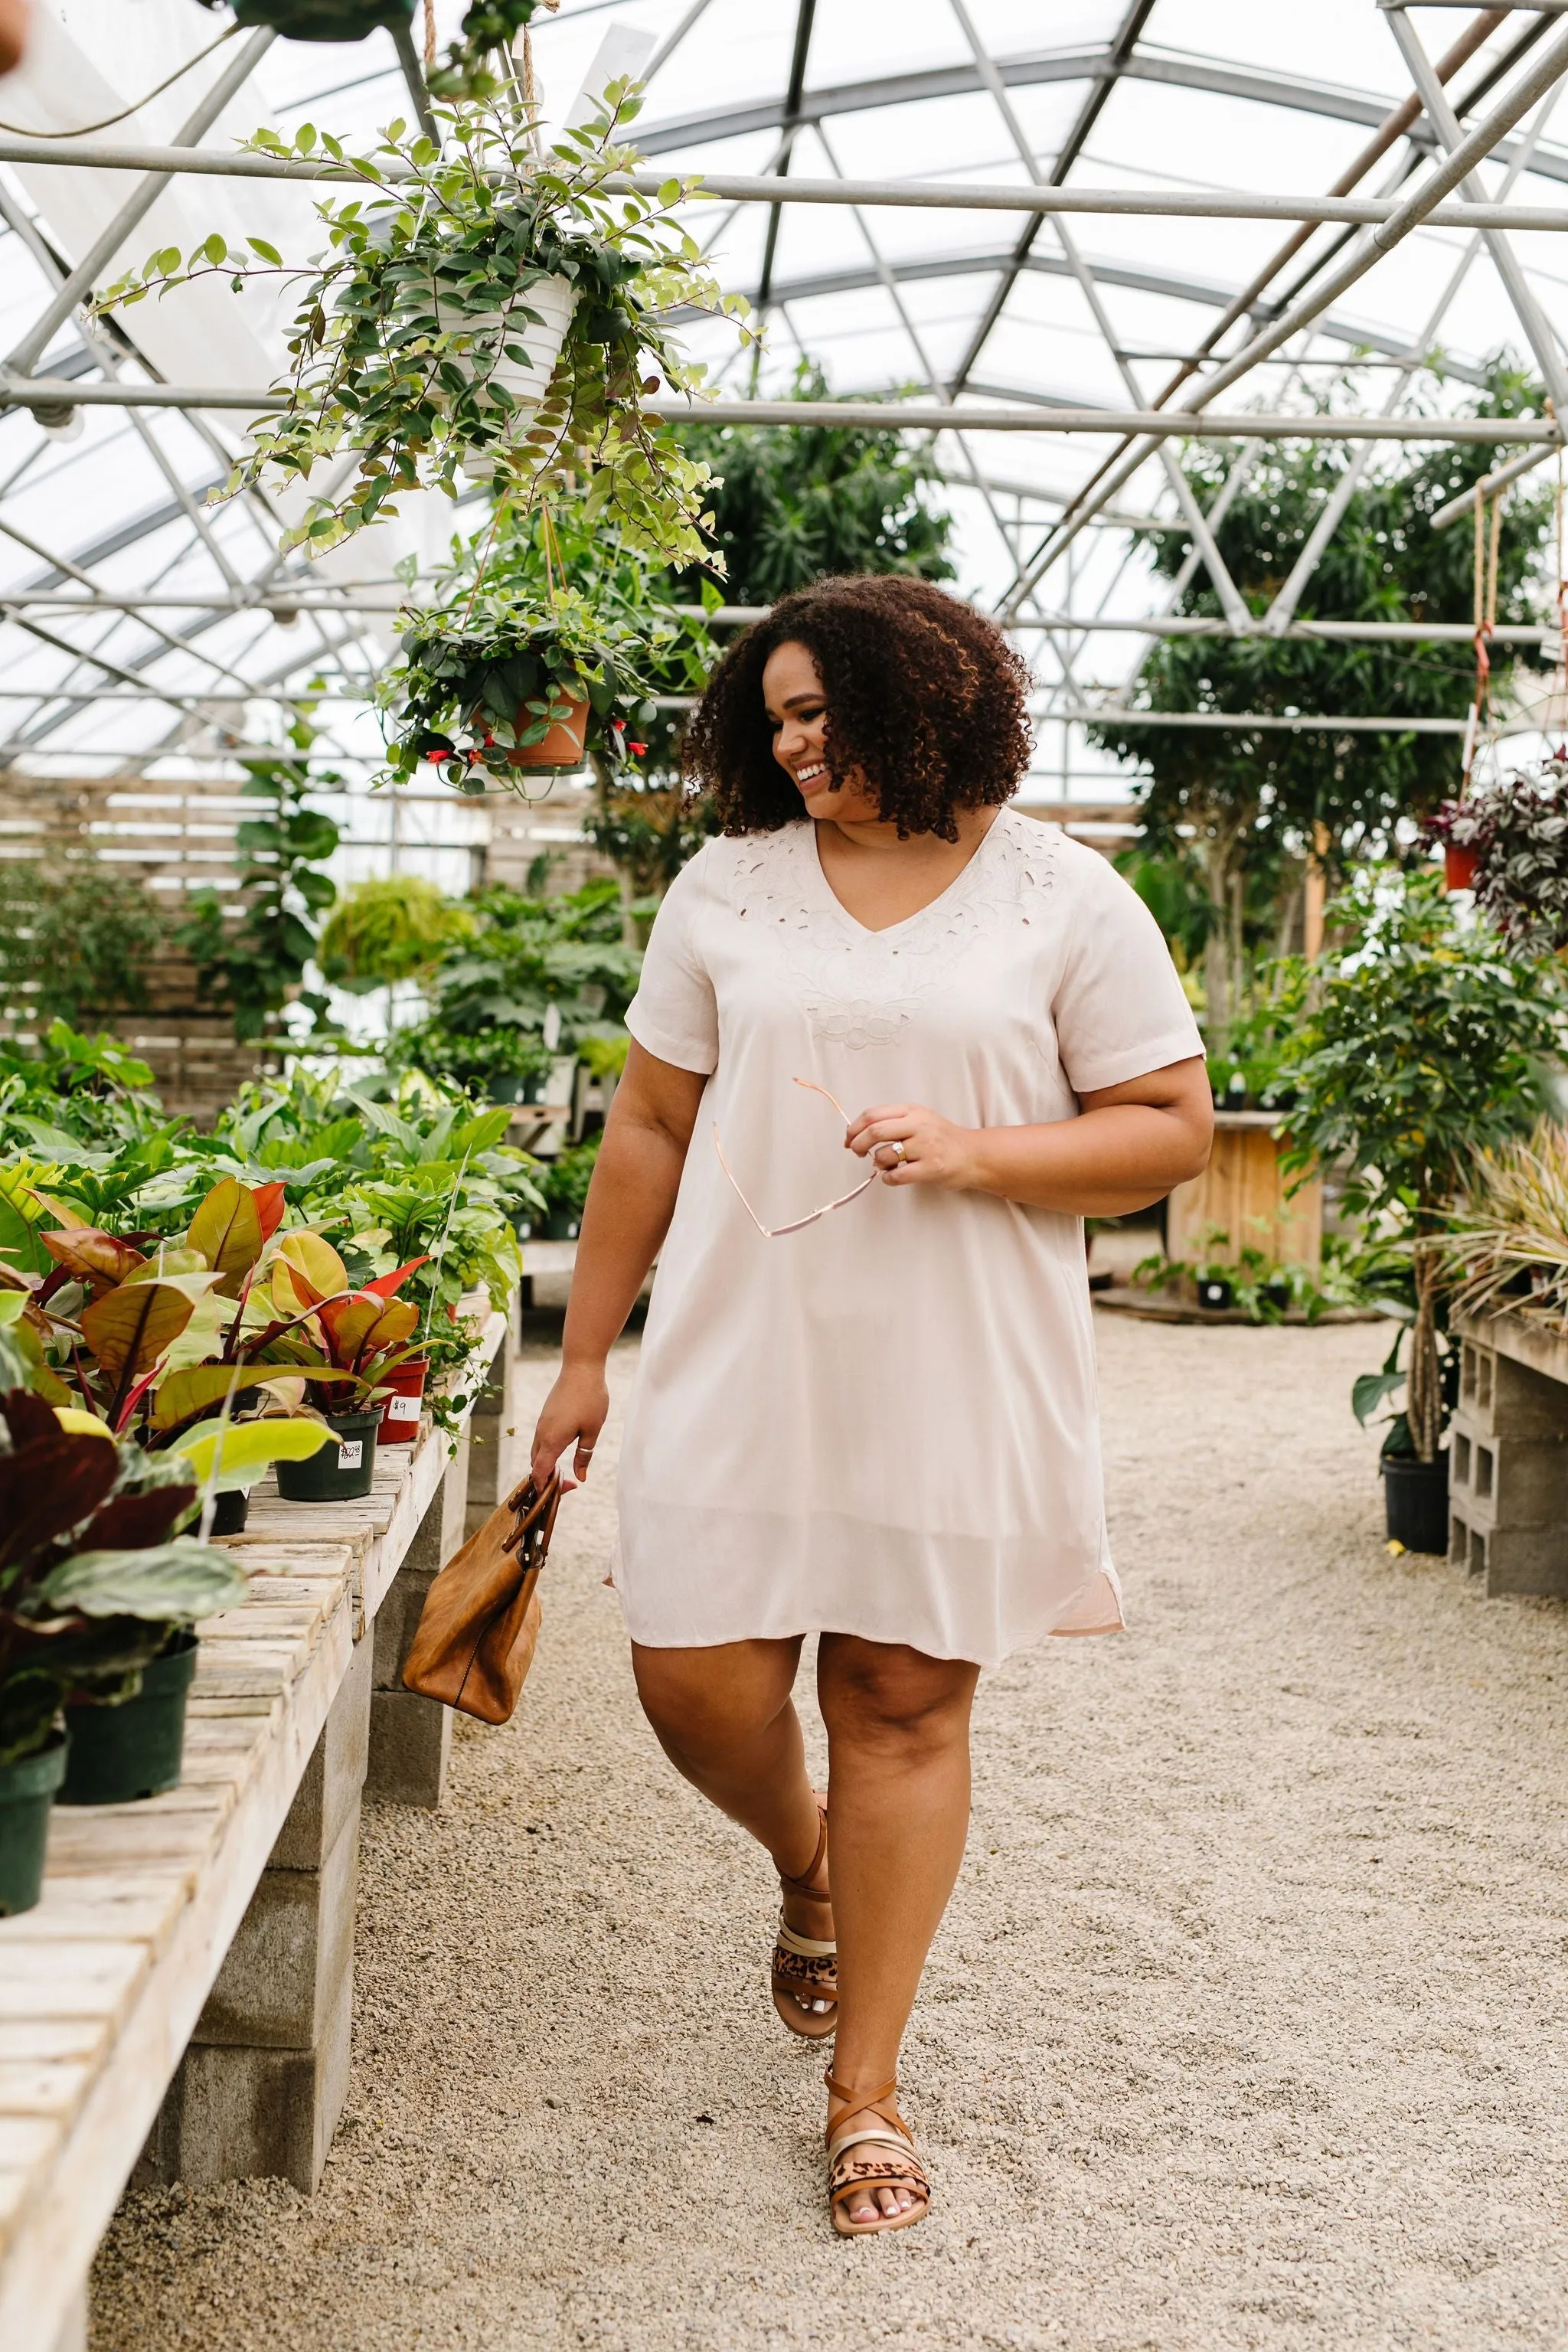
<point x="858" y="987"/>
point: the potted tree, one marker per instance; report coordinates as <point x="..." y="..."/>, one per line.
<point x="484" y="307"/>
<point x="1414" y="1047"/>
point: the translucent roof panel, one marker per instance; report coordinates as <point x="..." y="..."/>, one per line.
<point x="141" y="622"/>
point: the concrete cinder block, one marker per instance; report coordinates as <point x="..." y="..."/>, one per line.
<point x="283" y="1970"/>
<point x="1502" y="1398"/>
<point x="232" y="2113"/>
<point x="1526" y="1560"/>
<point x="410" y="1747"/>
<point x="329" y="1790"/>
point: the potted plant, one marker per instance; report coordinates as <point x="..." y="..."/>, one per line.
<point x="483" y="306"/>
<point x="513" y="683"/>
<point x="395" y="928"/>
<point x="564" y="1183"/>
<point x="1509" y="843"/>
<point x="534" y="969"/>
<point x="1508" y="1237"/>
<point x="324" y="20"/>
<point x="348" y="1338"/>
<point x="1414" y="1047"/>
<point x="98" y="1594"/>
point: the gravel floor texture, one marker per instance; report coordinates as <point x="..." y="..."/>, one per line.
<point x="1247" y="2026"/>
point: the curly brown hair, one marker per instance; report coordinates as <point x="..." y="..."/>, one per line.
<point x="925" y="699"/>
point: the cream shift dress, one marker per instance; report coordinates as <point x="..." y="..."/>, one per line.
<point x="886" y="1423"/>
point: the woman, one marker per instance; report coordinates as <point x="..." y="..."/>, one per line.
<point x="864" y="1406"/>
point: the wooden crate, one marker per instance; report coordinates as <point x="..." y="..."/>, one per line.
<point x="1243" y="1192"/>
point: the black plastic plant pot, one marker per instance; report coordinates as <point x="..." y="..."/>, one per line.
<point x="1415" y="1495"/>
<point x="1216" y="1294"/>
<point x="26" y="1792"/>
<point x="121" y="1753"/>
<point x="230" y="1512"/>
<point x="335" y="1474"/>
<point x="563" y="1225"/>
<point x="526" y="1089"/>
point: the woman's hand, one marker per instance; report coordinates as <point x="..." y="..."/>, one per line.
<point x="574" y="1410"/>
<point x="934" y="1151"/>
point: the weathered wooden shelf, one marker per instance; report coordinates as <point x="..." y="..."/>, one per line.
<point x="102" y="1985"/>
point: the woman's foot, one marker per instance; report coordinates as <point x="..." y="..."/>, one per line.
<point x="875" y="2181"/>
<point x="804" y="1971"/>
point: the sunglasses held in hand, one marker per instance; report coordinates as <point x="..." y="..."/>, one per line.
<point x="775" y="1233"/>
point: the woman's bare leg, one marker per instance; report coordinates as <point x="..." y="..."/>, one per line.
<point x="897" y="1736"/>
<point x="725" y="1717"/>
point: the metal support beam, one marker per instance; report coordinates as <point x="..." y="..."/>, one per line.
<point x="1122" y="43"/>
<point x="776" y="188"/>
<point x="1527" y="309"/>
<point x="909" y="415"/>
<point x="1532" y="86"/>
<point x="84" y="276"/>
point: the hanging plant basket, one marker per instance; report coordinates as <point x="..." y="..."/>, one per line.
<point x="1461" y="864"/>
<point x="325" y="20"/>
<point x="509" y="684"/>
<point x="518" y="355"/>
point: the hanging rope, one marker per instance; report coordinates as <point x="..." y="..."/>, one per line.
<point x="1486" y="588"/>
<point x="429" y="36"/>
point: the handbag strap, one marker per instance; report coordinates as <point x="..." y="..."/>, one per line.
<point x="534" y="1508"/>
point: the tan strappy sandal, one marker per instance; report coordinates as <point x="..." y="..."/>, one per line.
<point x="802" y="1969"/>
<point x="887" y="2161"/>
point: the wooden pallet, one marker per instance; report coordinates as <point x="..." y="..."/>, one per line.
<point x="102" y="1985"/>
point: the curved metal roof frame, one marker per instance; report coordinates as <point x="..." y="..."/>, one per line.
<point x="222" y="584"/>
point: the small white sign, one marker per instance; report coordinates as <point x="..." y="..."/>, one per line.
<point x="402" y="1407"/>
<point x="350" y="1452"/>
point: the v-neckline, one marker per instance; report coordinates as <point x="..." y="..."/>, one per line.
<point x="885" y="931"/>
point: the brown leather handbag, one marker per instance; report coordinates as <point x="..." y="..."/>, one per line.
<point x="481" y="1622"/>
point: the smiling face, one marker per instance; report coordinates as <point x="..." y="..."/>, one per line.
<point x="797" y="712"/>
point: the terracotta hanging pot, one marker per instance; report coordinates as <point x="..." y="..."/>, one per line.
<point x="1461" y="864"/>
<point x="562" y="744"/>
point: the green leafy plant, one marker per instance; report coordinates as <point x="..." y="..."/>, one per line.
<point x="252" y="966"/>
<point x="1518" y="827"/>
<point x="1508" y="1237"/>
<point x="386" y="930"/>
<point x="75" y="939"/>
<point x="94" y="1579"/>
<point x="489" y="307"/>
<point x="479" y="686"/>
<point x="531" y="962"/>
<point x="564" y="1180"/>
<point x="1418" y="1048"/>
<point x="793" y="503"/>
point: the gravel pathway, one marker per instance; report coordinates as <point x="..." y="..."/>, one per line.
<point x="1247" y="2026"/>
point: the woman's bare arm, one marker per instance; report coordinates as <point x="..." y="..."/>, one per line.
<point x="1130" y="1146"/>
<point x="630" y="1203"/>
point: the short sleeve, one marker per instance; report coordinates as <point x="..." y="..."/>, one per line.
<point x="675" y="1013"/>
<point x="1119" y="1009"/>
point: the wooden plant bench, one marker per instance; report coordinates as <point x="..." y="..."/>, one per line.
<point x="178" y="2005"/>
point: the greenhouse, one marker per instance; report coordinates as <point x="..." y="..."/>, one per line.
<point x="628" y="628"/>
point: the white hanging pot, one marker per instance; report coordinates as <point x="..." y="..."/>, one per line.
<point x="554" y="300"/>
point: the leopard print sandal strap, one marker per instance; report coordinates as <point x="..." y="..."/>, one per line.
<point x="804" y="1970"/>
<point x="886" y="2159"/>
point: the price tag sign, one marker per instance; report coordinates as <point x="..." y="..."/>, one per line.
<point x="350" y="1452"/>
